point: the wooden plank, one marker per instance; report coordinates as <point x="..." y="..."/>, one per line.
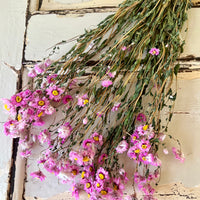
<point x="12" y="20"/>
<point x="78" y="4"/>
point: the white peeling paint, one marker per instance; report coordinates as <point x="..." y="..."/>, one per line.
<point x="44" y="31"/>
<point x="12" y="20"/>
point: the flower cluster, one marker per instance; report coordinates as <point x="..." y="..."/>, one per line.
<point x="96" y="106"/>
<point x="141" y="151"/>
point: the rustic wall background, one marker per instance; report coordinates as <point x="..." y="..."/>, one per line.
<point x="29" y="29"/>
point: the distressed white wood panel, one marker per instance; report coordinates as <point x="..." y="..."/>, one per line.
<point x="191" y="37"/>
<point x="188" y="98"/>
<point x="12" y="20"/>
<point x="44" y="31"/>
<point x="7" y="87"/>
<point x="77" y="4"/>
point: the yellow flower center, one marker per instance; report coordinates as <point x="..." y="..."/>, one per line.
<point x="41" y="103"/>
<point x="144" y="146"/>
<point x="101" y="176"/>
<point x="85" y="159"/>
<point x="85" y="101"/>
<point x="145" y="127"/>
<point x="144" y="158"/>
<point x="91" y="169"/>
<point x="103" y="192"/>
<point x="98" y="185"/>
<point x="55" y="93"/>
<point x="74" y="172"/>
<point x="76" y="159"/>
<point x="115" y="187"/>
<point x="18" y="99"/>
<point x="83" y="174"/>
<point x="88" y="144"/>
<point x="134" y="138"/>
<point x="154" y="52"/>
<point x="89" y="195"/>
<point x="96" y="138"/>
<point x="137" y="151"/>
<point x="6" y="107"/>
<point x="19" y="117"/>
<point x="88" y="185"/>
<point x="40" y="114"/>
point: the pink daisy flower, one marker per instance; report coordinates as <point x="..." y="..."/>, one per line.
<point x="25" y="153"/>
<point x="178" y="154"/>
<point x="11" y="129"/>
<point x="88" y="156"/>
<point x="67" y="98"/>
<point x="144" y="145"/>
<point x="165" y="151"/>
<point x="18" y="100"/>
<point x="97" y="138"/>
<point x="123" y="175"/>
<point x="85" y="120"/>
<point x="116" y="107"/>
<point x="154" y="51"/>
<point x="141" y="117"/>
<point x="47" y="62"/>
<point x="55" y="93"/>
<point x="51" y="78"/>
<point x="111" y="74"/>
<point x="143" y="159"/>
<point x="87" y="143"/>
<point x="74" y="170"/>
<point x="98" y="185"/>
<point x="102" y="175"/>
<point x="99" y="114"/>
<point x="44" y="136"/>
<point x="133" y="152"/>
<point x="40" y="103"/>
<point x="135" y="137"/>
<point x="161" y="137"/>
<point x="39" y="122"/>
<point x="75" y="191"/>
<point x="39" y="68"/>
<point x="118" y="186"/>
<point x="106" y="83"/>
<point x="122" y="147"/>
<point x="88" y="186"/>
<point x="32" y="73"/>
<point x="143" y="129"/>
<point x="102" y="158"/>
<point x="8" y="106"/>
<point x="76" y="157"/>
<point x="65" y="131"/>
<point x="150" y="158"/>
<point x="50" y="110"/>
<point x="39" y="175"/>
<point x="105" y="192"/>
<point x="90" y="170"/>
<point x="82" y="100"/>
<point x="124" y="48"/>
